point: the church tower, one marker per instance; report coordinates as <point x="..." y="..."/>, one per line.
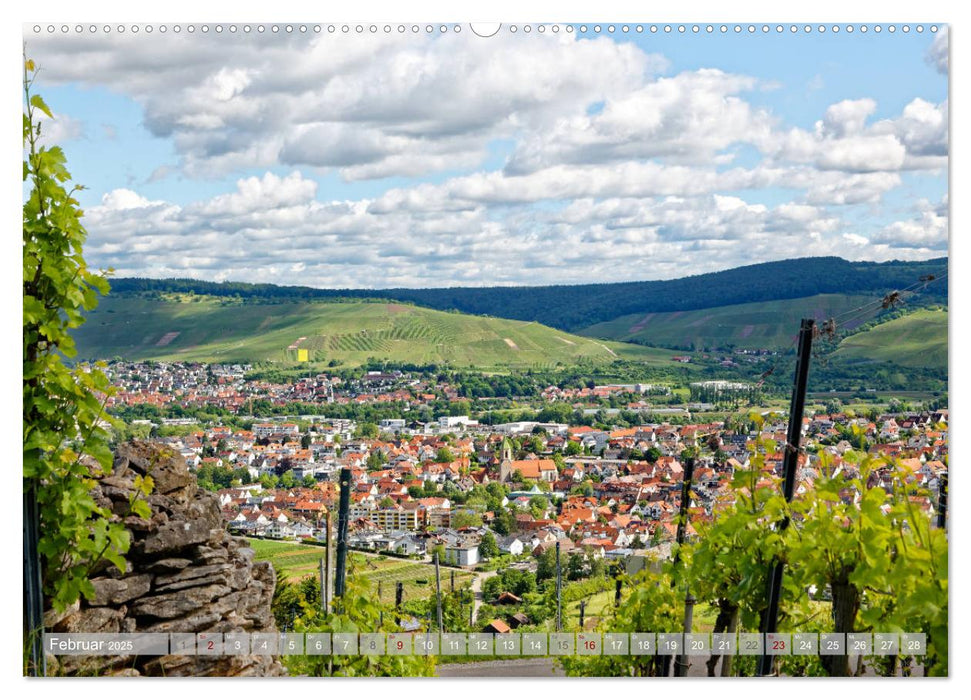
<point x="505" y="465"/>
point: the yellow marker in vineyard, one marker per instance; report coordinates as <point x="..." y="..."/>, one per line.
<point x="303" y="355"/>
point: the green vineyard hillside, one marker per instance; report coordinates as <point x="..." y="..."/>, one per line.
<point x="918" y="339"/>
<point x="213" y="329"/>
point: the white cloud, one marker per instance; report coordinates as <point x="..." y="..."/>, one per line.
<point x="937" y="54"/>
<point x="928" y="230"/>
<point x="59" y="130"/>
<point x="856" y="239"/>
<point x="685" y="119"/>
<point x="835" y="187"/>
<point x="121" y="199"/>
<point x="410" y="104"/>
<point x="290" y="237"/>
<point x="922" y="128"/>
<point x="255" y="194"/>
<point x="617" y="170"/>
<point x="842" y="140"/>
<point x="845" y="118"/>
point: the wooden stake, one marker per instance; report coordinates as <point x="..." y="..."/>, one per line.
<point x="559" y="592"/>
<point x="438" y="592"/>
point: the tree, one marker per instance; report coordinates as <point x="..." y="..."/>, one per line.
<point x="309" y="481"/>
<point x="576" y="567"/>
<point x="375" y="460"/>
<point x="444" y="455"/>
<point x="534" y="444"/>
<point x="546" y="564"/>
<point x="573" y="448"/>
<point x="496" y="490"/>
<point x="492" y="587"/>
<point x="439" y="551"/>
<point x="488" y="547"/>
<point x="366" y="430"/>
<point x="288" y="480"/>
<point x="503" y="522"/>
<point x="465" y="518"/>
<point x="65" y="445"/>
<point x="538" y="506"/>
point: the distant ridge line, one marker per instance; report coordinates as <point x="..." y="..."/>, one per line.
<point x="575" y="306"/>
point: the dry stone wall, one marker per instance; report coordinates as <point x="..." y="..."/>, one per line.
<point x="186" y="573"/>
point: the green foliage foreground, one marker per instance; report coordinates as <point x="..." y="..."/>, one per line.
<point x="858" y="558"/>
<point x="298" y="609"/>
<point x="65" y="443"/>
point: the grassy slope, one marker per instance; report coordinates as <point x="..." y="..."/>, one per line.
<point x="210" y="329"/>
<point x="300" y="560"/>
<point x="916" y="340"/>
<point x="771" y="324"/>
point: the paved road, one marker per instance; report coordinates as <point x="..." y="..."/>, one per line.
<point x="532" y="667"/>
<point x="541" y="667"/>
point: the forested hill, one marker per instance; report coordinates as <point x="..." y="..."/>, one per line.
<point x="571" y="307"/>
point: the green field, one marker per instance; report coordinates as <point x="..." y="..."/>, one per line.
<point x="201" y="328"/>
<point x="915" y="340"/>
<point x="770" y="324"/>
<point x="300" y="560"/>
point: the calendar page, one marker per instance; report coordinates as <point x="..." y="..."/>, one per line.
<point x="418" y="348"/>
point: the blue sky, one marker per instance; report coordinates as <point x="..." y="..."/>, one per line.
<point x="436" y="160"/>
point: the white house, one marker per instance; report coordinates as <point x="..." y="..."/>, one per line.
<point x="511" y="545"/>
<point x="462" y="554"/>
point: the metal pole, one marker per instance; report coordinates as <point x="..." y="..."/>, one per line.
<point x="381" y="607"/>
<point x="33" y="589"/>
<point x="583" y="607"/>
<point x="790" y="463"/>
<point x="559" y="591"/>
<point x="452" y="589"/>
<point x="342" y="518"/>
<point x="617" y="584"/>
<point x="438" y="593"/>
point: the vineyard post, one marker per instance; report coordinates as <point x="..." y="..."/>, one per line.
<point x="559" y="591"/>
<point x="381" y="610"/>
<point x="942" y="501"/>
<point x="323" y="585"/>
<point x="790" y="464"/>
<point x="681" y="664"/>
<point x="438" y="593"/>
<point x="342" y="518"/>
<point x="399" y="594"/>
<point x="33" y="591"/>
<point x="617" y="585"/>
<point x="327" y="581"/>
<point x="583" y="606"/>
